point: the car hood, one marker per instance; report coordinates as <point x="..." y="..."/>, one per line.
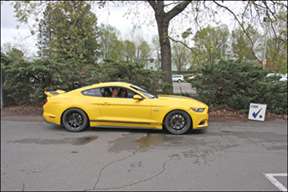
<point x="177" y="98"/>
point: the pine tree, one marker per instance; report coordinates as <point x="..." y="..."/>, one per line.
<point x="68" y="31"/>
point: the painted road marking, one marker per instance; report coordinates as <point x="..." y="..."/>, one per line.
<point x="274" y="181"/>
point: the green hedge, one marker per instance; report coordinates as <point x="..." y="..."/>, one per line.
<point x="236" y="84"/>
<point x="25" y="82"/>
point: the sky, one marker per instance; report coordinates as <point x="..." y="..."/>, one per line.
<point x="22" y="37"/>
<point x="111" y="14"/>
<point x="9" y="33"/>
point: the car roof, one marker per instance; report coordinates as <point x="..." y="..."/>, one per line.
<point x="105" y="84"/>
<point x="274" y="74"/>
<point x="111" y="84"/>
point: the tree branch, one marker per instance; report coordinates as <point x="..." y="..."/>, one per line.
<point x="177" y="9"/>
<point x="157" y="6"/>
<point x="191" y="49"/>
<point x="152" y="4"/>
<point x="241" y="25"/>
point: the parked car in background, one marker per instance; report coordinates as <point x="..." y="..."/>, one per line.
<point x="191" y="78"/>
<point x="274" y="77"/>
<point x="274" y="74"/>
<point x="284" y="78"/>
<point x="177" y="78"/>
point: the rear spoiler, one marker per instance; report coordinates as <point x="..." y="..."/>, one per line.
<point x="51" y="93"/>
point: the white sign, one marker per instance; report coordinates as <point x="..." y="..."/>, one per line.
<point x="257" y="111"/>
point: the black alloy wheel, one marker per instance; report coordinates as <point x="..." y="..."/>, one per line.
<point x="177" y="122"/>
<point x="74" y="120"/>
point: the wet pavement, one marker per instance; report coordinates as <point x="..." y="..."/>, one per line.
<point x="230" y="155"/>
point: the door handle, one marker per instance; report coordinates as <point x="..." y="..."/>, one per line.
<point x="105" y="103"/>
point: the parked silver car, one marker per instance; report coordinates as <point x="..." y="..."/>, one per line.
<point x="177" y="78"/>
<point x="284" y="78"/>
<point x="274" y="77"/>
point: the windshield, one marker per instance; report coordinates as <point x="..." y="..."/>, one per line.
<point x="150" y="96"/>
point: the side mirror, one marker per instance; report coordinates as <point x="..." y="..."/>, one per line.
<point x="137" y="97"/>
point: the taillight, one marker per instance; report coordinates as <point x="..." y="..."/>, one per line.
<point x="46" y="102"/>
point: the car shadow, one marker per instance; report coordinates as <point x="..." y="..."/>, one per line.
<point x="126" y="130"/>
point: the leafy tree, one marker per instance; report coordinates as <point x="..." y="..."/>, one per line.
<point x="156" y="48"/>
<point x="276" y="45"/>
<point x="16" y="54"/>
<point x="16" y="81"/>
<point x="180" y="56"/>
<point x="45" y="33"/>
<point x="68" y="30"/>
<point x="209" y="42"/>
<point x="129" y="50"/>
<point x="143" y="52"/>
<point x="242" y="46"/>
<point x="111" y="47"/>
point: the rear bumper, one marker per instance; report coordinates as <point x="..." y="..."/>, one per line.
<point x="49" y="122"/>
<point x="50" y="118"/>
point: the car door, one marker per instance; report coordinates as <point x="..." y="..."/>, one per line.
<point x="118" y="111"/>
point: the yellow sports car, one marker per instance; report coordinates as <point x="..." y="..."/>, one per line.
<point x="123" y="105"/>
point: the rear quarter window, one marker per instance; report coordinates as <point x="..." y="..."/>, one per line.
<point x="92" y="92"/>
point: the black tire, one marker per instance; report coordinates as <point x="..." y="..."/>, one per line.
<point x="74" y="120"/>
<point x="177" y="122"/>
<point x="179" y="81"/>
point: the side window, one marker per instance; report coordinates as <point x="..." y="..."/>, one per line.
<point x="118" y="92"/>
<point x="106" y="91"/>
<point x="126" y="93"/>
<point x="92" y="92"/>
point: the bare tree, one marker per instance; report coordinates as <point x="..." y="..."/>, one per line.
<point x="163" y="18"/>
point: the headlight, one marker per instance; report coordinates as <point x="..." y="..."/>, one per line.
<point x="197" y="109"/>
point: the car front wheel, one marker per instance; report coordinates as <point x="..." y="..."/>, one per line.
<point x="74" y="120"/>
<point x="177" y="122"/>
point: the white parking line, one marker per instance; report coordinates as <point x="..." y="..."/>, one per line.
<point x="274" y="181"/>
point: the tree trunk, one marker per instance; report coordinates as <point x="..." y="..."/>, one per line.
<point x="165" y="48"/>
<point x="163" y="20"/>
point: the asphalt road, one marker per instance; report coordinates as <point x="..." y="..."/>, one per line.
<point x="230" y="155"/>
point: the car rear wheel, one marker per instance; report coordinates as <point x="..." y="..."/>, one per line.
<point x="74" y="120"/>
<point x="177" y="122"/>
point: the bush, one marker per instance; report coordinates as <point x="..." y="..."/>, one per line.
<point x="25" y="82"/>
<point x="236" y="84"/>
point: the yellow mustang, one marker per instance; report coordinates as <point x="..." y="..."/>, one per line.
<point x="123" y="105"/>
